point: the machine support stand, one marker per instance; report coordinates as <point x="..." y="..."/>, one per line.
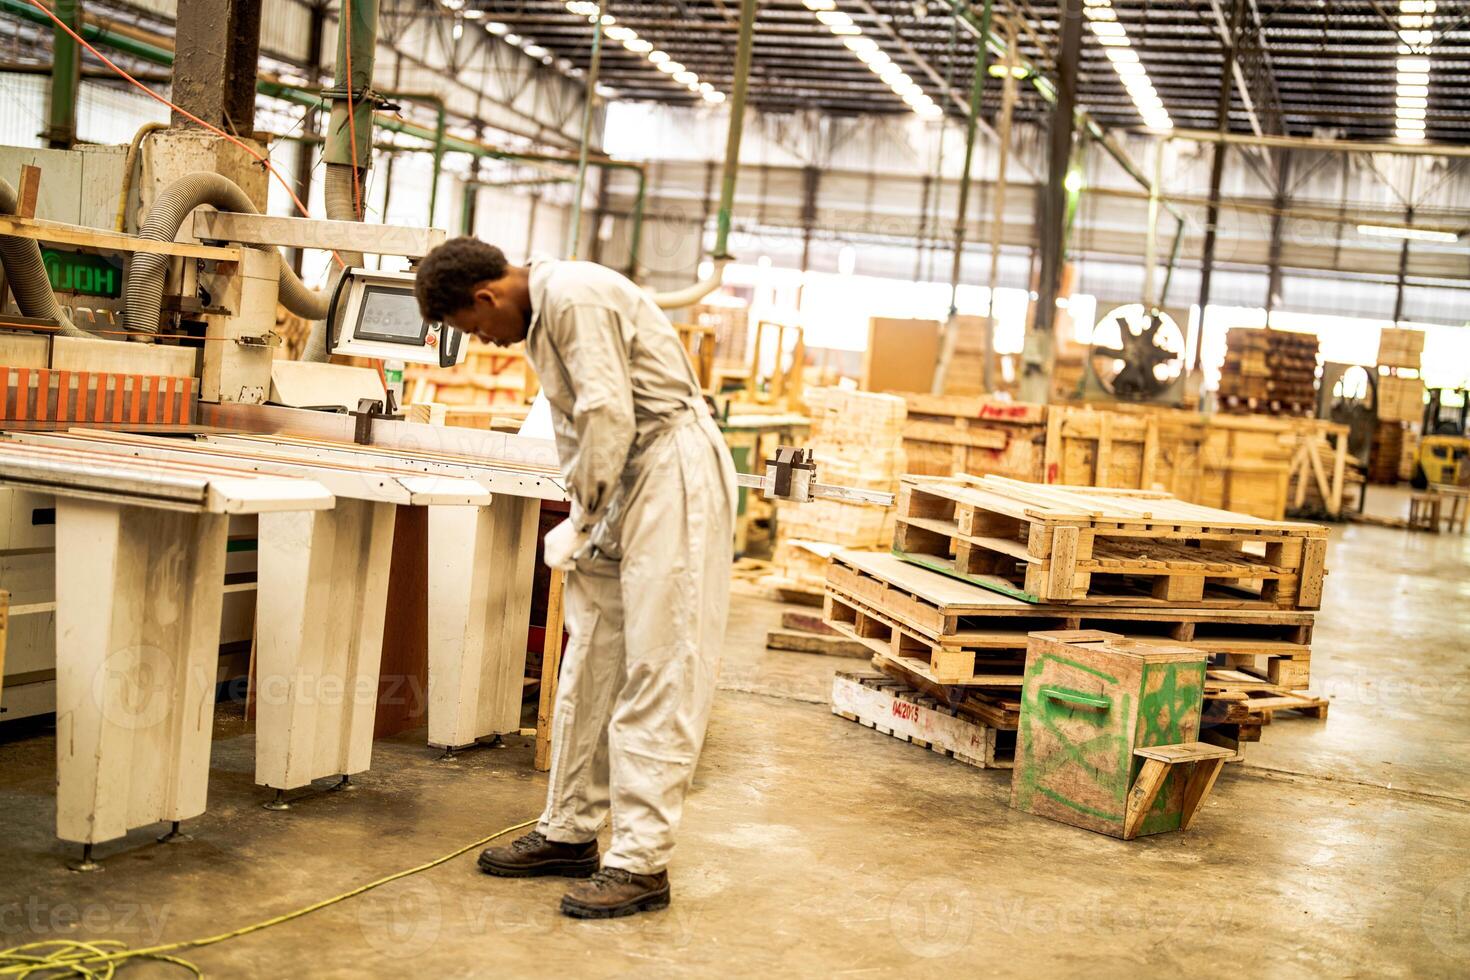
<point x="345" y="784"/>
<point x="498" y="742"/>
<point x="174" y="835"/>
<point x="86" y="865"/>
<point x="449" y="755"/>
<point x="279" y="803"/>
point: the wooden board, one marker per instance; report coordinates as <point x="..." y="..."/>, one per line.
<point x="901" y="354"/>
<point x="98" y="474"/>
<point x="831" y="644"/>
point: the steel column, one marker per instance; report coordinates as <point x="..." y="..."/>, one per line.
<point x="1217" y="165"/>
<point x="1398" y="298"/>
<point x="1037" y="356"/>
<point x="306" y="150"/>
<point x="1279" y="201"/>
<point x="216" y="60"/>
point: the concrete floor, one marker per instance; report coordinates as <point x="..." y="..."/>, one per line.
<point x="813" y="845"/>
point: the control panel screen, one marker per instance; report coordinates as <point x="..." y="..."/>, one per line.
<point x="392" y="316"/>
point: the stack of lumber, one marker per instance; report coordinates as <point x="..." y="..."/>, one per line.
<point x="966" y="372"/>
<point x="1386" y="456"/>
<point x="1269" y="371"/>
<point x="857" y="441"/>
<point x="977" y="565"/>
<point x="1398" y="348"/>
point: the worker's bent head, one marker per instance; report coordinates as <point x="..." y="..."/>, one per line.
<point x="470" y="286"/>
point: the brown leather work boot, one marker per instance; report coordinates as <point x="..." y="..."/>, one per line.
<point x="613" y="892"/>
<point x="533" y="856"/>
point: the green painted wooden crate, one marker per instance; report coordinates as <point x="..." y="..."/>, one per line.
<point x="1089" y="699"/>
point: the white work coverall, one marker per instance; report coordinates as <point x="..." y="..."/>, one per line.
<point x="652" y="481"/>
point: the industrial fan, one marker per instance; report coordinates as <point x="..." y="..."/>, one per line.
<point x="1137" y="355"/>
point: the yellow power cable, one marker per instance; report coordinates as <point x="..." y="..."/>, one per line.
<point x="100" y="959"/>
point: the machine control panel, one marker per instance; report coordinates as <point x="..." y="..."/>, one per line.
<point x="375" y="314"/>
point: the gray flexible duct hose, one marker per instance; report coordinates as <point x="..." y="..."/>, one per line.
<point x="27" y="273"/>
<point x="341" y="206"/>
<point x="143" y="286"/>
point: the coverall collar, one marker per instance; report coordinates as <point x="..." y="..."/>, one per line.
<point x="540" y="272"/>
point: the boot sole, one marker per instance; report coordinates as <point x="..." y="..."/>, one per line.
<point x="646" y="903"/>
<point x="547" y="869"/>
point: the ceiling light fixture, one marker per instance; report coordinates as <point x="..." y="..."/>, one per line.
<point x="1411" y="102"/>
<point x="1114" y="38"/>
<point x="869" y="53"/>
<point x="1412" y="234"/>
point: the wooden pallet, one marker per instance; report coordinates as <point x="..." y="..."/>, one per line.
<point x="1261" y="699"/>
<point x="936" y="612"/>
<point x="892" y="708"/>
<point x="1093" y="546"/>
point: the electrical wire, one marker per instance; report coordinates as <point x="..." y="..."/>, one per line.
<point x="100" y="959"/>
<point x="259" y="157"/>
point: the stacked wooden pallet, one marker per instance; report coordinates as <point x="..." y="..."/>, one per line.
<point x="978" y="566"/>
<point x="856" y="440"/>
<point x="1269" y="371"/>
<point x="488" y="375"/>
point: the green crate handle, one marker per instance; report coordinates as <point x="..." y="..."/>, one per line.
<point x="1077" y="698"/>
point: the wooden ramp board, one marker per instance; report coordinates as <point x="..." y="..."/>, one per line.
<point x="892" y="708"/>
<point x="1089" y="545"/>
<point x="949" y="612"/>
<point x="831" y="644"/>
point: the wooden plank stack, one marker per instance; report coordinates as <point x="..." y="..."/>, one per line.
<point x="1400" y="399"/>
<point x="856" y="440"/>
<point x="1269" y="371"/>
<point x="978" y="565"/>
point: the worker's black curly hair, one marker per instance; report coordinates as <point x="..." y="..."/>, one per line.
<point x="448" y="275"/>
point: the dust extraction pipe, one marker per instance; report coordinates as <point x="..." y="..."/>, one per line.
<point x="143" y="285"/>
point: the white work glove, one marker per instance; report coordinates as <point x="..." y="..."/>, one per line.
<point x="562" y="546"/>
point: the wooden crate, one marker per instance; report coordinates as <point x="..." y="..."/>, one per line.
<point x="890" y="707"/>
<point x="1091" y="699"/>
<point x="1093" y="546"/>
<point x="947" y="434"/>
<point x="937" y="611"/>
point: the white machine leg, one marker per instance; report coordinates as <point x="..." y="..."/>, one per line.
<point x="137" y="645"/>
<point x="480" y="565"/>
<point x="321" y="603"/>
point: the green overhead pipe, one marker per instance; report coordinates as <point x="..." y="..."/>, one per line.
<point x="743" y="51"/>
<point x="972" y="126"/>
<point x="66" y="79"/>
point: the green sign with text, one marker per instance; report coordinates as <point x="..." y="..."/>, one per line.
<point x="82" y="275"/>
